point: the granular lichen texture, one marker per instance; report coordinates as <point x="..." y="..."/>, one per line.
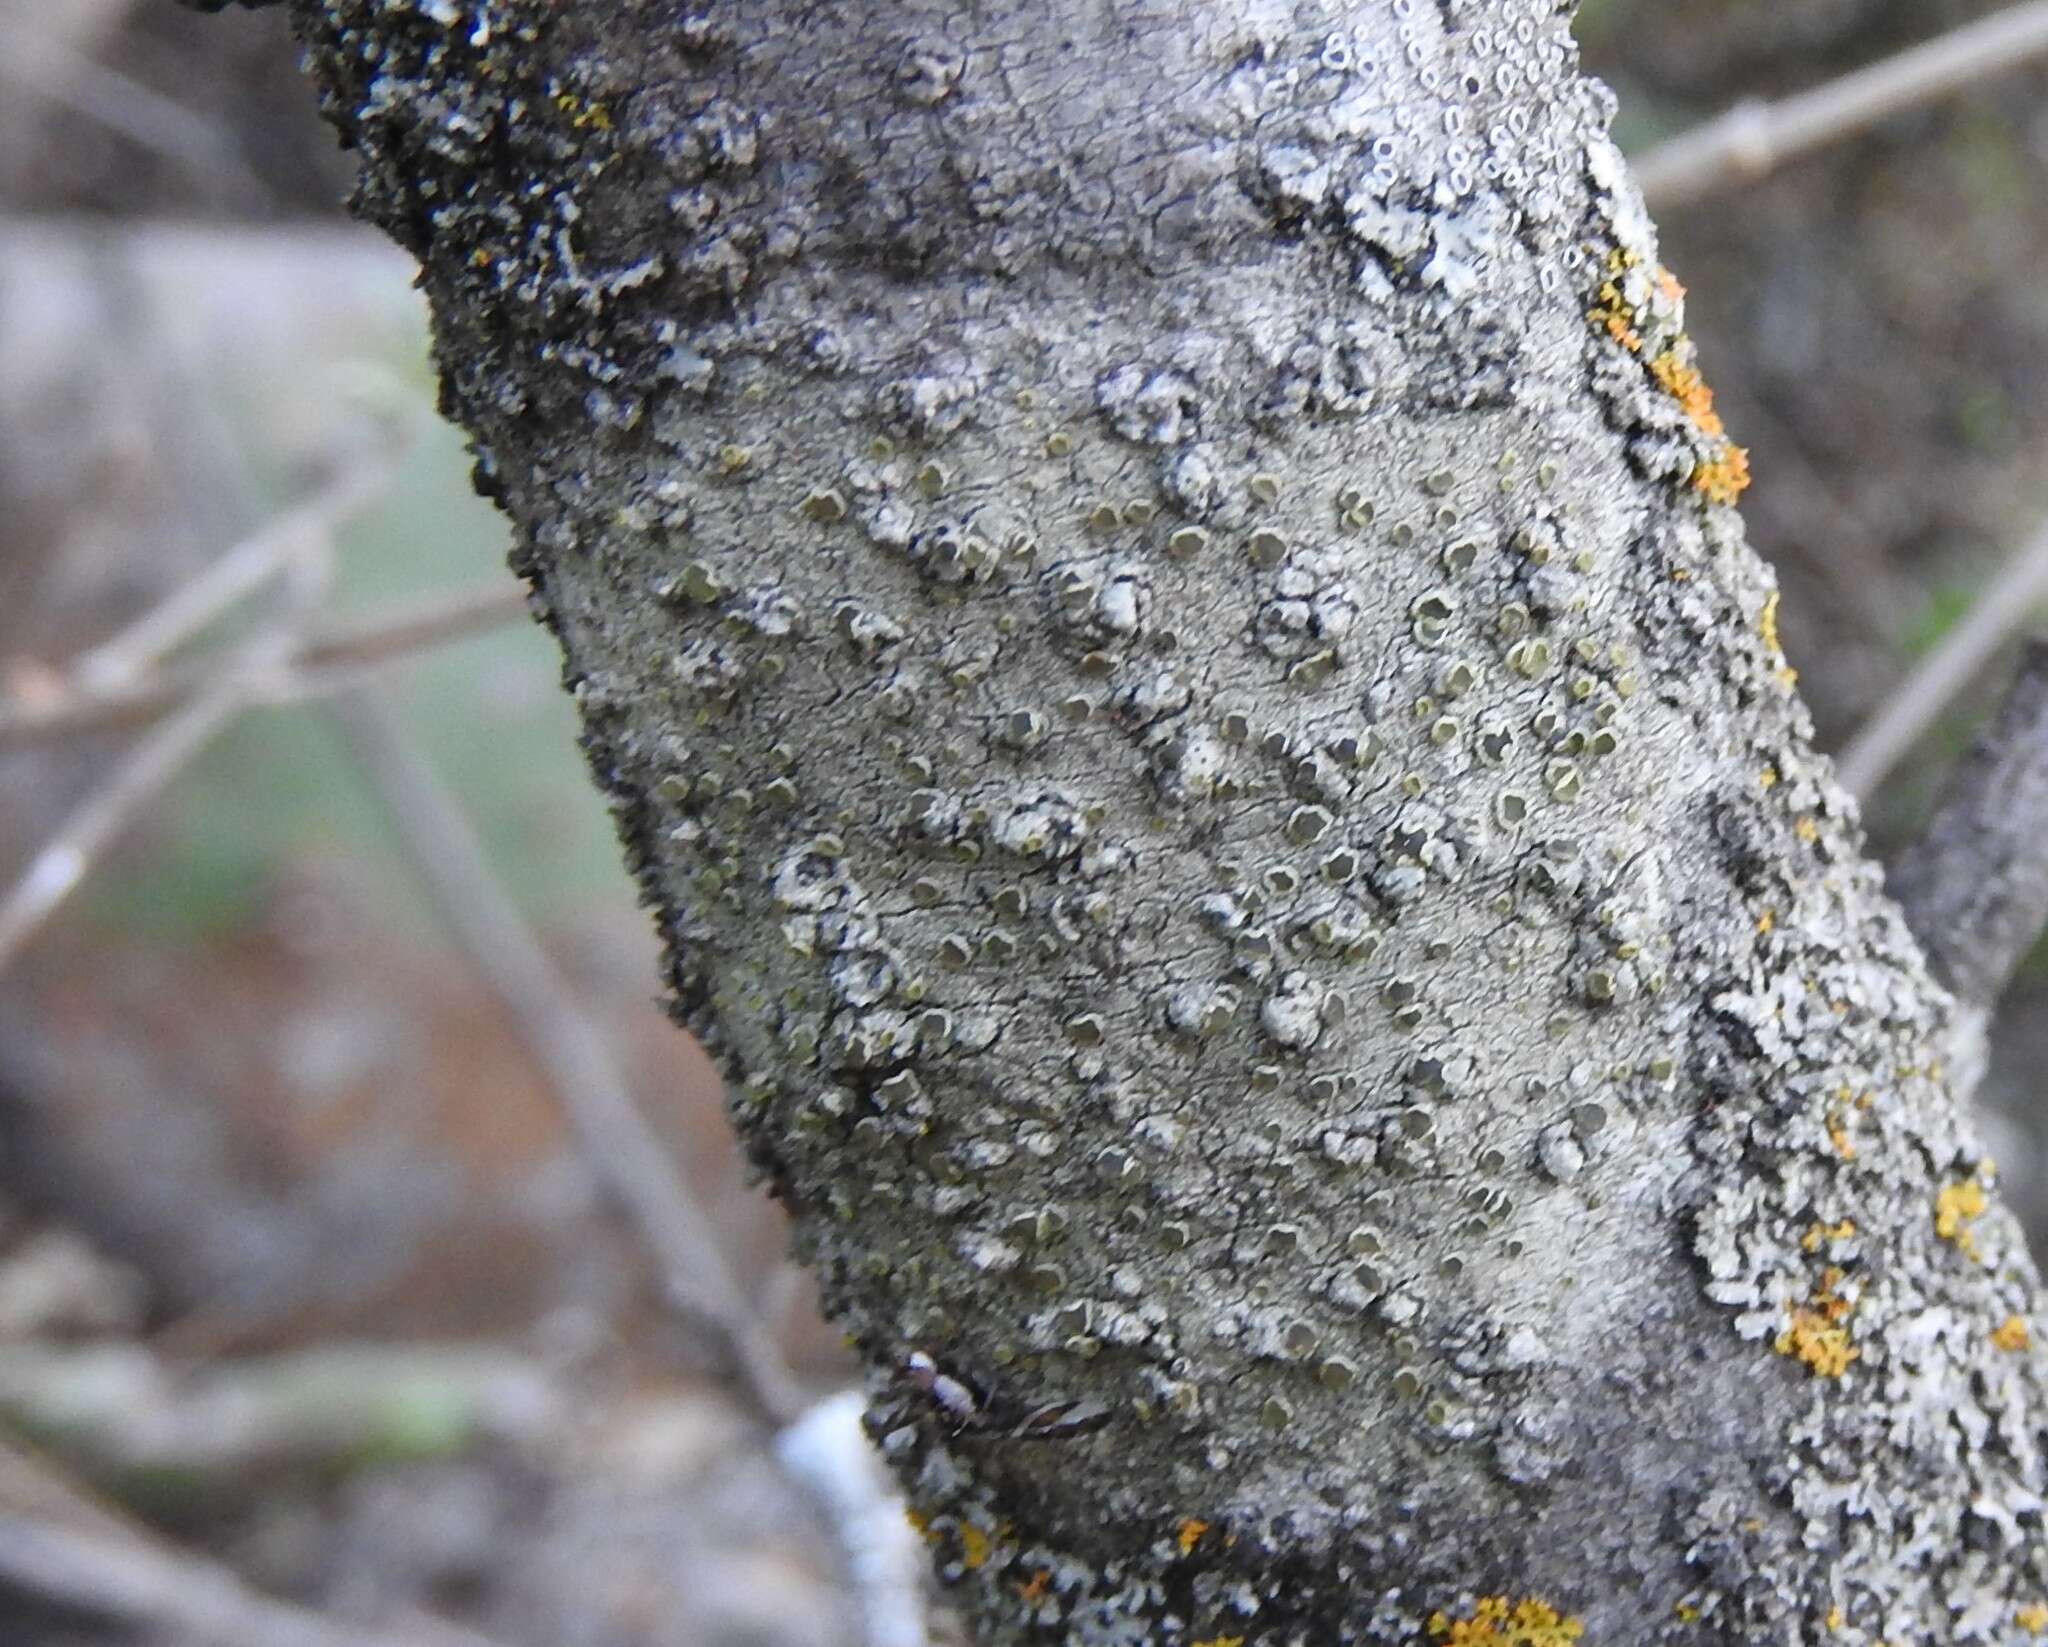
<point x="1152" y="587"/>
<point x="1498" y="1622"/>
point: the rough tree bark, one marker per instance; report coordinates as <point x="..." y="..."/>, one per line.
<point x="1153" y="586"/>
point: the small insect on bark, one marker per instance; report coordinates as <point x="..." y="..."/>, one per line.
<point x="953" y="1398"/>
<point x="971" y="1414"/>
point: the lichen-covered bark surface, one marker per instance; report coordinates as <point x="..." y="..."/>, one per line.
<point x="1153" y="586"/>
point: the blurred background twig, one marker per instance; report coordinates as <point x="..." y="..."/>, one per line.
<point x="1756" y="137"/>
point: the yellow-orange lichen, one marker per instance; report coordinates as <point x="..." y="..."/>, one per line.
<point x="1818" y="1234"/>
<point x="1721" y="474"/>
<point x="1498" y="1622"/>
<point x="1956" y="1208"/>
<point x="1614" y="313"/>
<point x="1726" y="478"/>
<point x="2012" y="1333"/>
<point x="1767" y="628"/>
<point x="1189" y="1532"/>
<point x="974" y="1546"/>
<point x="1816" y="1336"/>
<point x="1683" y="382"/>
<point x="2033" y="1620"/>
<point x="582" y="115"/>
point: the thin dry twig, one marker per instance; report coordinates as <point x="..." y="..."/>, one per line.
<point x="297" y="543"/>
<point x="1932" y="684"/>
<point x="1755" y="137"/>
<point x="121" y="658"/>
<point x="337" y="657"/>
<point x="624" y="1150"/>
<point x="1974" y="886"/>
<point x="56" y="871"/>
<point x="56" y="1543"/>
<point x="46" y="65"/>
<point x="821" y="1445"/>
<point x="124" y="1408"/>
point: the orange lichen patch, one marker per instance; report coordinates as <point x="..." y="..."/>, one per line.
<point x="1722" y="476"/>
<point x="1688" y="1613"/>
<point x="974" y="1546"/>
<point x="1682" y="381"/>
<point x="1189" y="1533"/>
<point x="1722" y="473"/>
<point x="1835" y="1619"/>
<point x="1818" y="1234"/>
<point x="1956" y="1208"/>
<point x="1498" y="1622"/>
<point x="1816" y="1337"/>
<point x="1805" y="828"/>
<point x="1037" y="1587"/>
<point x="1823" y="1349"/>
<point x="1766" y="921"/>
<point x="1726" y="478"/>
<point x="1621" y="331"/>
<point x="1838" y="1135"/>
<point x="1220" y="1641"/>
<point x="1768" y="777"/>
<point x="2011" y="1333"/>
<point x="918" y="1524"/>
<point x="2033" y="1620"/>
<point x="1614" y="313"/>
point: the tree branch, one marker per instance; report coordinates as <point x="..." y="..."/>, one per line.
<point x="119" y="1407"/>
<point x="328" y="661"/>
<point x="1754" y="138"/>
<point x="48" y="66"/>
<point x="1214" y="774"/>
<point x="277" y="545"/>
<point x="298" y="544"/>
<point x="1974" y="886"/>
